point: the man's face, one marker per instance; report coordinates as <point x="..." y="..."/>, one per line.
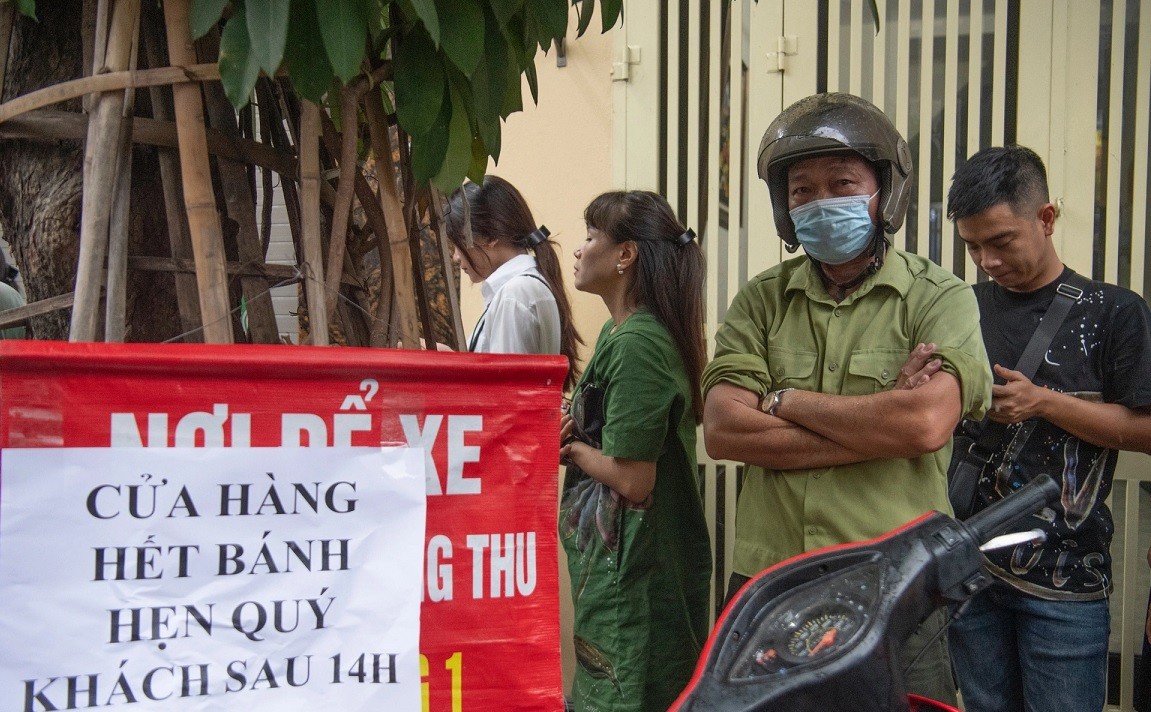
<point x="832" y="177"/>
<point x="1013" y="249"/>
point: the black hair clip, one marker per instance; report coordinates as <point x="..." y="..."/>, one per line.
<point x="540" y="234"/>
<point x="687" y="236"/>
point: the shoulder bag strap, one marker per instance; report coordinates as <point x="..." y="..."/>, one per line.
<point x="1067" y="294"/>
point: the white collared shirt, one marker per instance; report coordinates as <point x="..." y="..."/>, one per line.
<point x="520" y="316"/>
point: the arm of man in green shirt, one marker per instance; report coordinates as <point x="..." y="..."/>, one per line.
<point x="812" y="430"/>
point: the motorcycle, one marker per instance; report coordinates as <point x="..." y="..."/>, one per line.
<point x="821" y="632"/>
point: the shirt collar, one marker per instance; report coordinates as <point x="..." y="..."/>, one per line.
<point x="894" y="273"/>
<point x="512" y="268"/>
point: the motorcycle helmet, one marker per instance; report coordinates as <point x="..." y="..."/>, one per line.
<point x="829" y="123"/>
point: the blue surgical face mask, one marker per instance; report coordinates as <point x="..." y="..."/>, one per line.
<point x="834" y="230"/>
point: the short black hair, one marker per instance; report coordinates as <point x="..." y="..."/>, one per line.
<point x="1001" y="174"/>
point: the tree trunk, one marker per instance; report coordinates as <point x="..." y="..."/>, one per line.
<point x="41" y="182"/>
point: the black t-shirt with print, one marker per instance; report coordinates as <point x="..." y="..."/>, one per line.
<point x="1101" y="352"/>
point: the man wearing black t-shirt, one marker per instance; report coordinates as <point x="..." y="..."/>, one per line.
<point x="1040" y="633"/>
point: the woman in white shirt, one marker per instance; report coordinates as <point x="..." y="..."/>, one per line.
<point x="526" y="310"/>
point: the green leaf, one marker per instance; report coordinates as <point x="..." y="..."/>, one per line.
<point x="462" y="32"/>
<point x="490" y="80"/>
<point x="479" y="165"/>
<point x="238" y="66"/>
<point x="513" y="98"/>
<point x="344" y="31"/>
<point x="533" y="82"/>
<point x="586" y="10"/>
<point x="490" y="85"/>
<point x="202" y="16"/>
<point x="267" y="31"/>
<point x="304" y="55"/>
<point x="458" y="157"/>
<point x="553" y="19"/>
<point x="610" y="12"/>
<point x="419" y="81"/>
<point x="489" y="131"/>
<point x="505" y="9"/>
<point x="428" y="151"/>
<point x="426" y="11"/>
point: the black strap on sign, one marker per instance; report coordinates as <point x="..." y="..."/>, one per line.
<point x="963" y="480"/>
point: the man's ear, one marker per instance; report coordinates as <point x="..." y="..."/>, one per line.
<point x="1047" y="214"/>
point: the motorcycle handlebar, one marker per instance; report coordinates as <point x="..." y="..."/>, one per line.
<point x="1030" y="498"/>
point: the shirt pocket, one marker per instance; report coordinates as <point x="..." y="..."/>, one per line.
<point x="873" y="371"/>
<point x="791" y="369"/>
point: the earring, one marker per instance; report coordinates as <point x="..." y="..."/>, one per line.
<point x="619" y="267"/>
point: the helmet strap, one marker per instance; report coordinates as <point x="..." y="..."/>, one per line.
<point x="839" y="290"/>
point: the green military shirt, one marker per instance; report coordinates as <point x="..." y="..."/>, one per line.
<point x="784" y="330"/>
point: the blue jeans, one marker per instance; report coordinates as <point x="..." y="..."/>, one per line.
<point x="1016" y="653"/>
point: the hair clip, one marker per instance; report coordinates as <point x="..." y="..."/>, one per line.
<point x="687" y="236"/>
<point x="540" y="234"/>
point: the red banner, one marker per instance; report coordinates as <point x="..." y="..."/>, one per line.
<point x="490" y="615"/>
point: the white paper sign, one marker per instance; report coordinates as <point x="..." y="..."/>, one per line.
<point x="254" y="579"/>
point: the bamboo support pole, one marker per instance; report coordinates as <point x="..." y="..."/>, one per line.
<point x="405" y="321"/>
<point x="7" y="20"/>
<point x="116" y="293"/>
<point x="415" y="240"/>
<point x="179" y="241"/>
<point x="381" y="148"/>
<point x="100" y="158"/>
<point x="114" y="81"/>
<point x="345" y="190"/>
<point x="240" y="203"/>
<point x="439" y="226"/>
<point x="312" y="263"/>
<point x="203" y="220"/>
<point x="376" y="221"/>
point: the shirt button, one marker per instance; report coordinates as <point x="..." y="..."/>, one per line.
<point x="818" y="475"/>
<point x="811" y="530"/>
<point x="884" y="374"/>
<point x="833" y="366"/>
<point x="779" y="371"/>
<point x="835" y="312"/>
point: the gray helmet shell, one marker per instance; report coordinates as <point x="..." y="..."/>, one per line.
<point x="830" y="123"/>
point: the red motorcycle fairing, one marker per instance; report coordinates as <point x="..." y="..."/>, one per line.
<point x="922" y="704"/>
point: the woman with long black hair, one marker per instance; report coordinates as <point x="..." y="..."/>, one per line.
<point x="631" y="517"/>
<point x="516" y="264"/>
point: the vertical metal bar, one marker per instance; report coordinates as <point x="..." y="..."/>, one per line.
<point x="1114" y="153"/>
<point x="999" y="89"/>
<point x="974" y="101"/>
<point x="903" y="78"/>
<point x="694" y="99"/>
<point x="674" y="93"/>
<point x="735" y="142"/>
<point x="711" y="237"/>
<point x="1141" y="219"/>
<point x="923" y="160"/>
<point x="834" y="47"/>
<point x="1132" y="610"/>
<point x="879" y="66"/>
<point x="855" y="53"/>
<point x="947" y="125"/>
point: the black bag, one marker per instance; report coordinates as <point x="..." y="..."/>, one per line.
<point x="963" y="476"/>
<point x="587" y="414"/>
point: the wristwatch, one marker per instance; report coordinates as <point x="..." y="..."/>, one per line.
<point x="771" y="401"/>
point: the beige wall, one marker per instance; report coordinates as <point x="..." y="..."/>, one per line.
<point x="559" y="154"/>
